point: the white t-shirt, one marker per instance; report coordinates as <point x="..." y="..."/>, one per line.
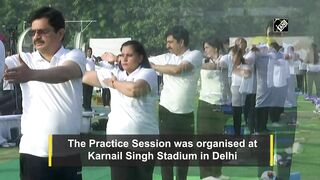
<point x="236" y="78"/>
<point x="226" y="62"/>
<point x="92" y="59"/>
<point x="211" y="87"/>
<point x="90" y="66"/>
<point x="132" y="115"/>
<point x="250" y="59"/>
<point x="179" y="91"/>
<point x="2" y="56"/>
<point x="281" y="70"/>
<point x="49" y="108"/>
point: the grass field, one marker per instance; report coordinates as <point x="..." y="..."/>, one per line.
<point x="307" y="162"/>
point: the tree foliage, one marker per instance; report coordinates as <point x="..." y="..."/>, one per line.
<point x="148" y="20"/>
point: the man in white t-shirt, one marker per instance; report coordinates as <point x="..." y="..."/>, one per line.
<point x="51" y="84"/>
<point x="272" y="72"/>
<point x="181" y="70"/>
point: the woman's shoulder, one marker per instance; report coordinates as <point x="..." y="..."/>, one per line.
<point x="147" y="71"/>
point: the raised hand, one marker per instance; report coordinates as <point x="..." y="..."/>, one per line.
<point x="20" y="74"/>
<point x="107" y="56"/>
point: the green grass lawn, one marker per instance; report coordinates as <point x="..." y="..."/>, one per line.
<point x="306" y="162"/>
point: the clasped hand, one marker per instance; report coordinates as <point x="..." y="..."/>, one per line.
<point x="110" y="81"/>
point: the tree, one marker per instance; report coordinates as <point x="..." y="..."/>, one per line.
<point x="148" y="20"/>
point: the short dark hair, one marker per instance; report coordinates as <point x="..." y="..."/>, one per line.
<point x="55" y="17"/>
<point x="276" y="46"/>
<point x="179" y="33"/>
<point x="138" y="48"/>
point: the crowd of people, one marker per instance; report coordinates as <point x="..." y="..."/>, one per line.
<point x="258" y="82"/>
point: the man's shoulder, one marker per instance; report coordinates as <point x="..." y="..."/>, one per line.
<point x="193" y="56"/>
<point x="74" y="54"/>
<point x="164" y="55"/>
<point x="194" y="53"/>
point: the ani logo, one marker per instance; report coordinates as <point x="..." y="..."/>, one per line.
<point x="280" y="25"/>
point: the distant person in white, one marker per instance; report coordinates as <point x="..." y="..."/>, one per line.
<point x="50" y="80"/>
<point x="241" y="68"/>
<point x="210" y="117"/>
<point x="181" y="71"/>
<point x="134" y="88"/>
<point x="89" y="55"/>
<point x="87" y="89"/>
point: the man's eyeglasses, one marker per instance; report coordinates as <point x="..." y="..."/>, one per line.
<point x="40" y="32"/>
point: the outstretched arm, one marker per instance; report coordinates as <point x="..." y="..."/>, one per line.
<point x="91" y="78"/>
<point x="21" y="74"/>
<point x="173" y="69"/>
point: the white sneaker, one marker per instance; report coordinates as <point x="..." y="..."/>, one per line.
<point x="223" y="177"/>
<point x="297" y="148"/>
<point x="268" y="175"/>
<point x="211" y="178"/>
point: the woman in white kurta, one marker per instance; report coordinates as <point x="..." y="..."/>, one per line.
<point x="241" y="68"/>
<point x="133" y="105"/>
<point x="210" y="117"/>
